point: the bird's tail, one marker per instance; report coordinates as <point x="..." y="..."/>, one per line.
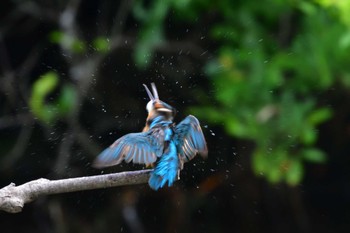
<point x="166" y="169"/>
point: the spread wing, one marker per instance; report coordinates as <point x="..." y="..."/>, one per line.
<point x="189" y="139"/>
<point x="144" y="147"/>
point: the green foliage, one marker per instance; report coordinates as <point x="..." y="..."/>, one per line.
<point x="267" y="93"/>
<point x="338" y="8"/>
<point x="68" y="42"/>
<point x="41" y="88"/>
<point x="151" y="33"/>
<point x="101" y="44"/>
<point x="75" y="45"/>
<point x="294" y="172"/>
<point x="313" y="155"/>
<point x="62" y="106"/>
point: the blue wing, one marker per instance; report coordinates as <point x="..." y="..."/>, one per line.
<point x="189" y="139"/>
<point x="144" y="147"/>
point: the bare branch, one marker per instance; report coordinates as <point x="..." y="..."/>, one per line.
<point x="13" y="198"/>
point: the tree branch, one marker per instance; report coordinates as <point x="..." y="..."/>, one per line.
<point x="13" y="198"/>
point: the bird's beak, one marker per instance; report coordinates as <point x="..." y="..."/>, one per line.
<point x="155" y="92"/>
<point x="149" y="93"/>
<point x="153" y="96"/>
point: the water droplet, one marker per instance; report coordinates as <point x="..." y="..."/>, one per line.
<point x="204" y="53"/>
<point x="212" y="133"/>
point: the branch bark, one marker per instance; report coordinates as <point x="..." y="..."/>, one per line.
<point x="13" y="198"/>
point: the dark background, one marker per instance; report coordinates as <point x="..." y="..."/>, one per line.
<point x="101" y="52"/>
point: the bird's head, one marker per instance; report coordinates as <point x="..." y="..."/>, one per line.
<point x="157" y="107"/>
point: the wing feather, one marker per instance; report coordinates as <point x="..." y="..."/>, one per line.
<point x="144" y="148"/>
<point x="190" y="139"/>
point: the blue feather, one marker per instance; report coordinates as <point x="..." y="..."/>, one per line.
<point x="144" y="147"/>
<point x="166" y="169"/>
<point x="189" y="139"/>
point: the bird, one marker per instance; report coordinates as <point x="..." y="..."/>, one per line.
<point x="161" y="144"/>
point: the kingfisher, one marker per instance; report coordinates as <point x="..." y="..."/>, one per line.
<point x="162" y="144"/>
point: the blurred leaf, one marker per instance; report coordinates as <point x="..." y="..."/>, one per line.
<point x="101" y="44"/>
<point x="342" y="7"/>
<point x="151" y="34"/>
<point x="307" y="7"/>
<point x="344" y="41"/>
<point x="274" y="175"/>
<point x="314" y="155"/>
<point x="319" y="116"/>
<point x="346" y="80"/>
<point x="56" y="36"/>
<point x="295" y="172"/>
<point x="150" y="38"/>
<point x="67" y="100"/>
<point x="181" y="4"/>
<point x="277" y="162"/>
<point x="45" y="84"/>
<point x="237" y="128"/>
<point x="308" y="135"/>
<point x="61" y="106"/>
<point x="41" y="88"/>
<point x="259" y="162"/>
<point x="78" y="46"/>
<point x="68" y="42"/>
